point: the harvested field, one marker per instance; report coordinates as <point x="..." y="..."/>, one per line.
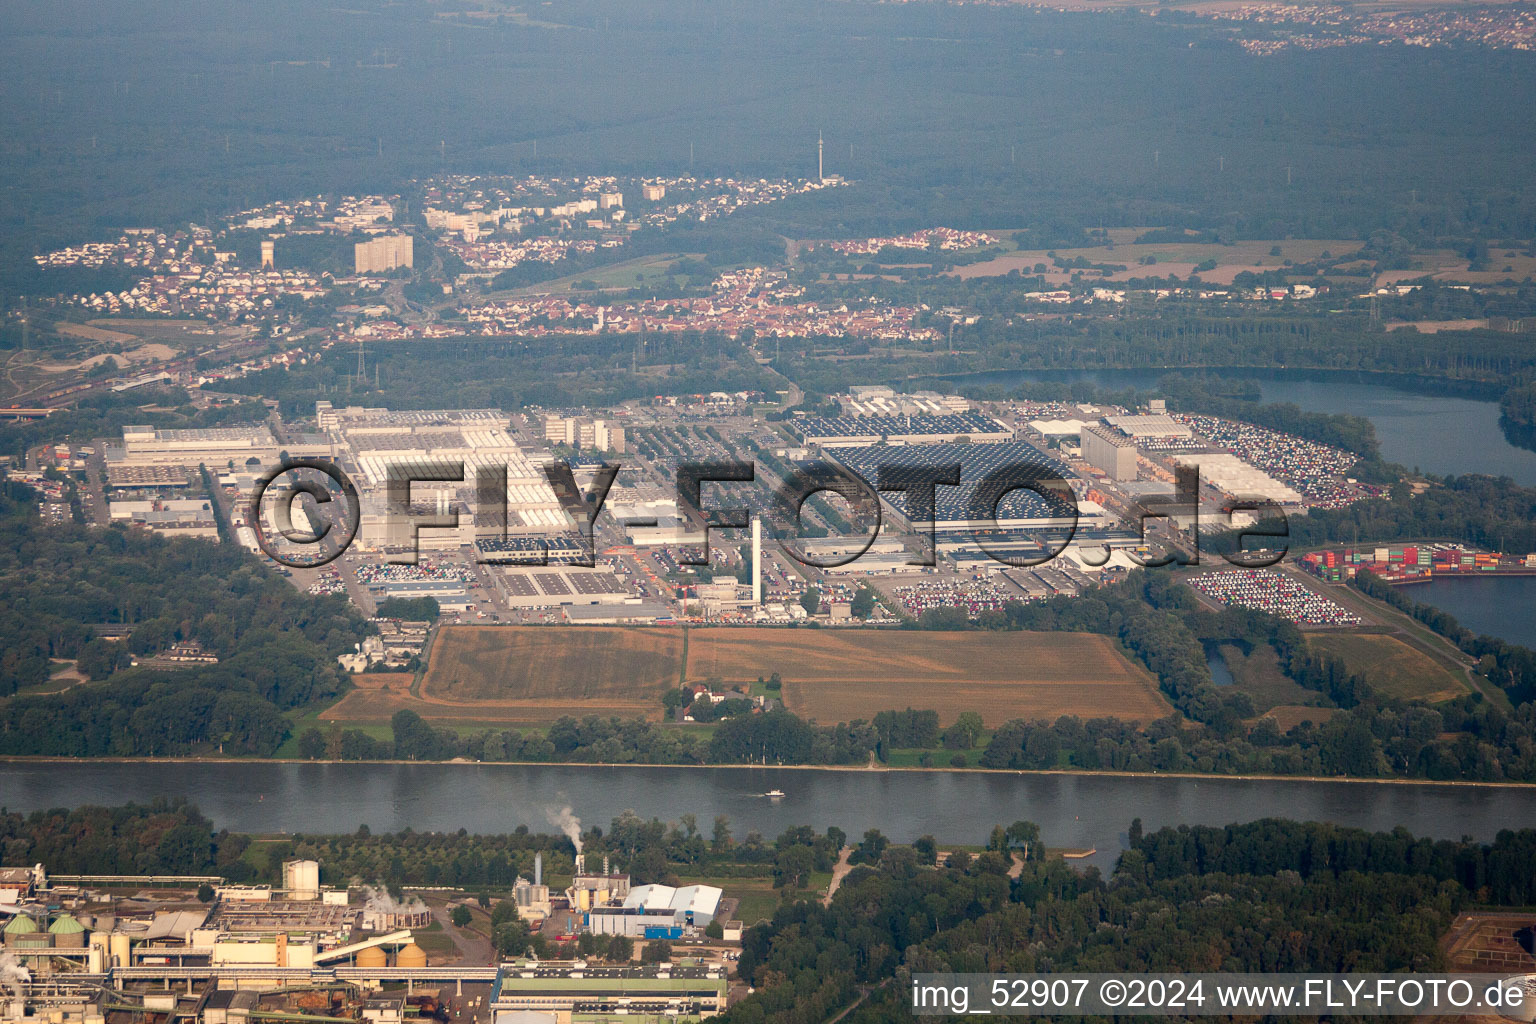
<point x="840" y="676"/>
<point x="539" y="673"/>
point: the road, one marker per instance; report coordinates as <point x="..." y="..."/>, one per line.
<point x="474" y="948"/>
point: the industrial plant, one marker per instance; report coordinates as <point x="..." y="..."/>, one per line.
<point x="77" y="950"/>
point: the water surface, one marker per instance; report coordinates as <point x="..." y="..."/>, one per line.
<point x="1078" y="811"/>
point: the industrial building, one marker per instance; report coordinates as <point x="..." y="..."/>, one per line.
<point x="959" y="507"/>
<point x="375" y="442"/>
<point x="554" y="586"/>
<point x="881" y="400"/>
<point x="215" y="447"/>
<point x="169" y="517"/>
<point x="1109" y="451"/>
<point x="302" y="952"/>
<point x="685" y="992"/>
<point x="643" y="613"/>
<point x="1237" y="478"/>
<point x="657" y="912"/>
<point x="906" y="428"/>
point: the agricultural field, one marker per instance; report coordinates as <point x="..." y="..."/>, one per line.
<point x="539" y="673"/>
<point x="505" y="675"/>
<point x="374" y="697"/>
<point x="841" y="676"/>
<point x="1392" y="667"/>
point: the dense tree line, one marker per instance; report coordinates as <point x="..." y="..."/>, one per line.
<point x="1497" y="873"/>
<point x="1186" y="338"/>
<point x="161" y="837"/>
<point x="557" y="372"/>
<point x="776" y="737"/>
<point x="1495" y="514"/>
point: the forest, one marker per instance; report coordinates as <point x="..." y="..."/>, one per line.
<point x="507" y="373"/>
<point x="276" y="646"/>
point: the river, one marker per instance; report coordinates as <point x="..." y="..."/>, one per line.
<point x="1077" y="811"/>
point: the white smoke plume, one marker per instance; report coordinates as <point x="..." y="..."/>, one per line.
<point x="12" y="975"/>
<point x="566" y="821"/>
<point x="378" y="899"/>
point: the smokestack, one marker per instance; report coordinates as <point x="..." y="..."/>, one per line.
<point x="757" y="562"/>
<point x="581" y="864"/>
<point x="538" y="869"/>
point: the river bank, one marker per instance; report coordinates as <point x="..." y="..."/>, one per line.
<point x="857" y="769"/>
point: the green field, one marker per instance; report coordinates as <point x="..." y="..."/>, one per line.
<point x="758" y="897"/>
<point x="1392" y="667"/>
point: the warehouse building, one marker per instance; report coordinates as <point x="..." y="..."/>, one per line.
<point x="858" y="431"/>
<point x="1110" y="451"/>
<point x="471" y="444"/>
<point x="960" y="507"/>
<point x="215" y="447"/>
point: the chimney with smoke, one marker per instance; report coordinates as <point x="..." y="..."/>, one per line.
<point x="566" y="821"/>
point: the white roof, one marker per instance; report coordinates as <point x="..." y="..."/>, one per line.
<point x="700" y="899"/>
<point x="1058" y="428"/>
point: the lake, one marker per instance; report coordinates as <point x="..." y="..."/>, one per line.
<point x="1499" y="606"/>
<point x="1072" y="810"/>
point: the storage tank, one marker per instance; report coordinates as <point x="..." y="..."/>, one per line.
<point x="411" y="956"/>
<point x="96" y="962"/>
<point x="1527" y="1009"/>
<point x="20" y="930"/>
<point x="302" y="879"/>
<point x="373" y="956"/>
<point x="67" y="932"/>
<point x="119" y="945"/>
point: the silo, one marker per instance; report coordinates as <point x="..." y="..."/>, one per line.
<point x="20" y="930"/>
<point x="302" y="879"/>
<point x="119" y="944"/>
<point x="411" y="956"/>
<point x="67" y="932"/>
<point x="373" y="956"/>
<point x="96" y="962"/>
